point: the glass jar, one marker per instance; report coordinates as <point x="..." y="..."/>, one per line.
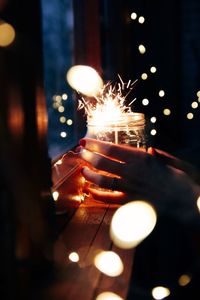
<point x="128" y="129"/>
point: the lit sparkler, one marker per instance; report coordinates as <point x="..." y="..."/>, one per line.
<point x="109" y="105"/>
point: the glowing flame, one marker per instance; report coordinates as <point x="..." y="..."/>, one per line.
<point x="132" y="223"/>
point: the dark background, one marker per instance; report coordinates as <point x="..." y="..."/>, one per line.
<point x="170" y="34"/>
<point x="103" y="35"/>
<point x="100" y="34"/>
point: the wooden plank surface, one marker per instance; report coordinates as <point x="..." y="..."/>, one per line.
<point x="86" y="234"/>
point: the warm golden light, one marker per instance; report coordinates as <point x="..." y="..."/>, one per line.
<point x="145" y="101"/>
<point x="85" y="80"/>
<point x="55" y="195"/>
<point x="59" y="162"/>
<point x="132" y="223"/>
<point x="144" y="76"/>
<point x="190" y="116"/>
<point x="161" y="93"/>
<point x="166" y="111"/>
<point x="194" y="104"/>
<point x="74" y="257"/>
<point x="184" y="279"/>
<point x="109" y="263"/>
<point x="108" y="296"/>
<point x="198" y="203"/>
<point x="133" y="16"/>
<point x="198" y="94"/>
<point x="160" y="292"/>
<point x="64" y="96"/>
<point x="153" y="132"/>
<point x="153" y="69"/>
<point x="142" y="49"/>
<point x="61" y="109"/>
<point x="63" y="134"/>
<point x="69" y="122"/>
<point x="62" y="119"/>
<point x="7" y="34"/>
<point x="141" y="20"/>
<point x="153" y="119"/>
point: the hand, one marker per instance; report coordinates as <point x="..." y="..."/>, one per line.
<point x="140" y="175"/>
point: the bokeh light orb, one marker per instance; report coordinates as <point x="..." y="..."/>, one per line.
<point x="85" y="80"/>
<point x="160" y="292"/>
<point x="132" y="223"/>
<point x="108" y="296"/>
<point x="7" y="34"/>
<point x="109" y="263"/>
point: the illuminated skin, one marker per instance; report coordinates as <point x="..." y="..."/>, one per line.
<point x="167" y="182"/>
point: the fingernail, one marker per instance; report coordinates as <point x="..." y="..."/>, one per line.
<point x="82" y="142"/>
<point x="78" y="149"/>
<point x="84" y="169"/>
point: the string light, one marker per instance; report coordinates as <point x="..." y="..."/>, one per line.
<point x="190" y="116"/>
<point x="7" y="34"/>
<point x="62" y="119"/>
<point x="55" y="195"/>
<point x="141" y="20"/>
<point x="198" y="94"/>
<point x="166" y="111"/>
<point x="145" y="102"/>
<point x="63" y="134"/>
<point x="133" y="16"/>
<point x="194" y="104"/>
<point x="153" y="119"/>
<point x="142" y="49"/>
<point x="144" y="76"/>
<point x="64" y="96"/>
<point x="74" y="257"/>
<point x="59" y="162"/>
<point x="198" y="203"/>
<point x="84" y="79"/>
<point x="109" y="263"/>
<point x="132" y="223"/>
<point x="69" y="122"/>
<point x="58" y="98"/>
<point x="153" y="132"/>
<point x="153" y="69"/>
<point x="160" y="292"/>
<point x="55" y="105"/>
<point x="108" y="296"/>
<point x="61" y="109"/>
<point x="184" y="280"/>
<point x="161" y="93"/>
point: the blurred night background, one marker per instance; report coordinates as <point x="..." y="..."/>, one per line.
<point x="156" y="42"/>
<point x="129" y="38"/>
<point x="126" y="38"/>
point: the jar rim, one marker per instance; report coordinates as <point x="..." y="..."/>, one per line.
<point x="125" y="118"/>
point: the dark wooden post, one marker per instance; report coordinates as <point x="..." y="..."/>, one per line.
<point x="26" y="205"/>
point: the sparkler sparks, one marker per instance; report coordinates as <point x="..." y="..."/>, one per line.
<point x="109" y="105"/>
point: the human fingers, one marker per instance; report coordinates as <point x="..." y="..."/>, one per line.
<point x="108" y="197"/>
<point x="107" y="182"/>
<point x="122" y="153"/>
<point x="101" y="162"/>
